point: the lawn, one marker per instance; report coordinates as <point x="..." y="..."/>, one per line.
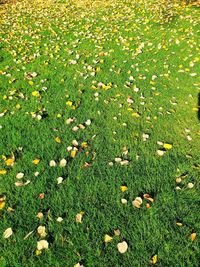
<point x="100" y="136"/>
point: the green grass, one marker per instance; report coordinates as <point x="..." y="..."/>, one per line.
<point x="33" y="35"/>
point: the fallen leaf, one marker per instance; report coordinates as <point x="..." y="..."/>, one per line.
<point x="52" y="163"/>
<point x="123" y="188"/>
<point x="73" y="153"/>
<point x="10" y="161"/>
<point x="41" y="196"/>
<point x="59" y="180"/>
<point x="3" y="172"/>
<point x="58" y="140"/>
<point x="36" y="161"/>
<point x="137" y="202"/>
<point x="7" y="233"/>
<point x="154" y="259"/>
<point x="167" y="146"/>
<point x="117" y="232"/>
<point x="41" y="230"/>
<point x="160" y="152"/>
<point x="107" y="238"/>
<point x="193" y="236"/>
<point x="20" y="175"/>
<point x="63" y="163"/>
<point x="28" y="235"/>
<point x="124" y="201"/>
<point x="42" y="244"/>
<point x="122" y="247"/>
<point x="79" y="217"/>
<point x="40" y="215"/>
<point x="190" y="185"/>
<point x="2" y="201"/>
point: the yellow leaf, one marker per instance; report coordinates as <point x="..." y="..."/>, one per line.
<point x="57" y="139"/>
<point x="154" y="259"/>
<point x="84" y="145"/>
<point x="10" y="161"/>
<point x="38" y="252"/>
<point x="2" y="204"/>
<point x="31" y="83"/>
<point x="35" y="93"/>
<point x="167" y="146"/>
<point x="135" y="114"/>
<point x="73" y="153"/>
<point x="107" y="238"/>
<point x="117" y="232"/>
<point x="2" y="172"/>
<point x="3" y="157"/>
<point x="179" y="224"/>
<point x="18" y="106"/>
<point x="69" y="103"/>
<point x="10" y="209"/>
<point x="36" y="161"/>
<point x="79" y="217"/>
<point x="193" y="236"/>
<point x="123" y="188"/>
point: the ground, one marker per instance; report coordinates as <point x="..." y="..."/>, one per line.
<point x="99" y="135"/>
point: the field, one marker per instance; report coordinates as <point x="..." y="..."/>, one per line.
<point x="100" y="136"/>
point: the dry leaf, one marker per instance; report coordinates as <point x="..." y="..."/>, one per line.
<point x="117" y="232"/>
<point x="78" y="265"/>
<point x="160" y="152"/>
<point x="28" y="235"/>
<point x="79" y="217"/>
<point x="40" y="215"/>
<point x="7" y="233"/>
<point x="193" y="236"/>
<point x="20" y="175"/>
<point x="137" y="202"/>
<point x="3" y="172"/>
<point x="41" y="231"/>
<point x="190" y="185"/>
<point x="59" y="180"/>
<point x="42" y="244"/>
<point x="124" y="201"/>
<point x="41" y="196"/>
<point x="18" y="184"/>
<point x="63" y="163"/>
<point x="122" y="247"/>
<point x="52" y="163"/>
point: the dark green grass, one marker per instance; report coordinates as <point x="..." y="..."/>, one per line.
<point x="96" y="190"/>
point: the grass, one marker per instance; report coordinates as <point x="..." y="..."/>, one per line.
<point x="72" y="48"/>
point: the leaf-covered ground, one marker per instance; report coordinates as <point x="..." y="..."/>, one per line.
<point x="99" y="136"/>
